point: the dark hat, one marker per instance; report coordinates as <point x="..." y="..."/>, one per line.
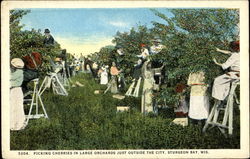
<point x="235" y="45"/>
<point x="46" y="31"/>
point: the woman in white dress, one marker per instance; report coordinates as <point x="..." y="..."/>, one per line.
<point x="17" y="116"/>
<point x="199" y="101"/>
<point x="104" y="76"/>
<point x="221" y="84"/>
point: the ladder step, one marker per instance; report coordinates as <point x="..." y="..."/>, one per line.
<point x="36" y="116"/>
<point x="218" y="124"/>
<point x="221" y="108"/>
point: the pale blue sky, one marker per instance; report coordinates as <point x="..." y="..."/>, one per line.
<point x="86" y="30"/>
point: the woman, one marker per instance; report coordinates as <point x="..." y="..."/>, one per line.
<point x="222" y="83"/>
<point x="114" y="73"/>
<point x="17" y="116"/>
<point x="199" y="102"/>
<point x="104" y="76"/>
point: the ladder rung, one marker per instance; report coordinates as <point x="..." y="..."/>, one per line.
<point x="221" y="108"/>
<point x="218" y="124"/>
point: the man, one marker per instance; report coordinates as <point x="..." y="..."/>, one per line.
<point x="48" y="40"/>
<point x="222" y="83"/>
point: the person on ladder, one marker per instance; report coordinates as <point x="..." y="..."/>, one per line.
<point x="221" y="84"/>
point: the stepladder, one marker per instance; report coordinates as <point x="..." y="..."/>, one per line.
<point x="35" y="103"/>
<point x="221" y="115"/>
<point x="52" y="80"/>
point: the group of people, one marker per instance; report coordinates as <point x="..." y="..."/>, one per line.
<point x="197" y="108"/>
<point x="146" y="70"/>
<point x="199" y="100"/>
<point x="22" y="71"/>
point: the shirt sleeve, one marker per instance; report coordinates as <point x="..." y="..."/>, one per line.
<point x="230" y="61"/>
<point x="16" y="78"/>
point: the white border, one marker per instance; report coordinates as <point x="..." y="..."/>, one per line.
<point x="220" y="153"/>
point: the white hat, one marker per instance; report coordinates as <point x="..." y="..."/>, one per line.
<point x="17" y="62"/>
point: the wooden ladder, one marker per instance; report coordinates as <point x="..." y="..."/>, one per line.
<point x="227" y="122"/>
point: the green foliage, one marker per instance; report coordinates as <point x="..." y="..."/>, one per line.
<point x="84" y="120"/>
<point x="25" y="42"/>
<point x="191" y="37"/>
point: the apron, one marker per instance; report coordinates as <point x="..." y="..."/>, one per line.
<point x="199" y="101"/>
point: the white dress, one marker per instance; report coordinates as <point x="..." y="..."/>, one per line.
<point x="104" y="77"/>
<point x="221" y="84"/>
<point x="199" y="102"/>
<point x="17" y="116"/>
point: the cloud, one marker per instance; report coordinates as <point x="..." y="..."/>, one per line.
<point x="78" y="45"/>
<point x="119" y="24"/>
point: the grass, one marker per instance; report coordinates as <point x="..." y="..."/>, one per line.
<point x="84" y="120"/>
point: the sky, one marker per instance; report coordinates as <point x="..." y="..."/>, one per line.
<point x="86" y="30"/>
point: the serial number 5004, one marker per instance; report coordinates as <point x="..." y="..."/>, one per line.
<point x="23" y="153"/>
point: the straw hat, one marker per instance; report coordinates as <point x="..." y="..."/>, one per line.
<point x="58" y="59"/>
<point x="17" y="62"/>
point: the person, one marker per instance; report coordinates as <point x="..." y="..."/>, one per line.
<point x="221" y="83"/>
<point x="64" y="58"/>
<point x="114" y="73"/>
<point x="182" y="107"/>
<point x="144" y="52"/>
<point x="199" y="102"/>
<point x="147" y="92"/>
<point x="48" y="40"/>
<point x="32" y="63"/>
<point x="112" y="85"/>
<point x="17" y="116"/>
<point x="89" y="62"/>
<point x="103" y="75"/>
<point x="135" y="86"/>
<point x="156" y="47"/>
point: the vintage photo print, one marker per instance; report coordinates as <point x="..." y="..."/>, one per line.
<point x="125" y="79"/>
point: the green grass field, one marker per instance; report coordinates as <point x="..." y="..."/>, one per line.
<point x="84" y="120"/>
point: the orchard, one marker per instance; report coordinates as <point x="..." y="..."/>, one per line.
<point x="84" y="120"/>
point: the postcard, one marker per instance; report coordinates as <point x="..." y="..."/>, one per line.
<point x="125" y="79"/>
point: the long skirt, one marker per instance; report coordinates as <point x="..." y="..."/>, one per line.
<point x="104" y="78"/>
<point x="199" y="102"/>
<point x="221" y="85"/>
<point x="199" y="107"/>
<point x="17" y="116"/>
<point x="113" y="83"/>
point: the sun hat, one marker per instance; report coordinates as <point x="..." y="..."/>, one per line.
<point x="58" y="59"/>
<point x="17" y="62"/>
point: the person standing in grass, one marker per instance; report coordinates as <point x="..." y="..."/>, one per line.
<point x="199" y="102"/>
<point x="17" y="116"/>
<point x="114" y="73"/>
<point x="112" y="85"/>
<point x="103" y="76"/>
